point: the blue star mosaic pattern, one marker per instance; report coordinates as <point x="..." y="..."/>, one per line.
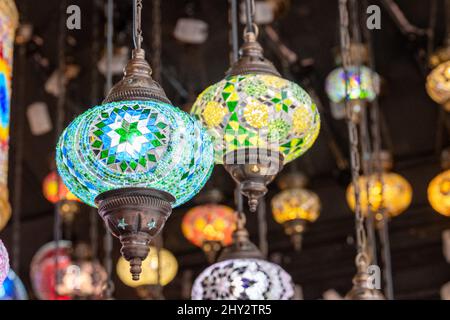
<point x="129" y="139"/>
<point x="135" y="144"/>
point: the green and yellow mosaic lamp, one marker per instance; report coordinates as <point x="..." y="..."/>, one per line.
<point x="135" y="157"/>
<point x="258" y="120"/>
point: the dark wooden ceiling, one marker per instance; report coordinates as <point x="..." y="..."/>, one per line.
<point x="309" y="28"/>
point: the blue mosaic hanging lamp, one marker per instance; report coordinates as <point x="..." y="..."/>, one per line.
<point x="135" y="157"/>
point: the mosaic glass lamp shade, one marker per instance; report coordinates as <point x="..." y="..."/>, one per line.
<point x="243" y="279"/>
<point x="209" y="227"/>
<point x="438" y="85"/>
<point x="362" y="84"/>
<point x="4" y="262"/>
<point x="144" y="144"/>
<point x="258" y="111"/>
<point x="241" y="273"/>
<point x="149" y="276"/>
<point x="397" y="195"/>
<point x="8" y="24"/>
<point x="5" y="208"/>
<point x="13" y="288"/>
<point x="43" y="269"/>
<point x="258" y="120"/>
<point x="294" y="209"/>
<point x="439" y="193"/>
<point x="135" y="157"/>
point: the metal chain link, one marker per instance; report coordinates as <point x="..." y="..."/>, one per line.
<point x="137" y="23"/>
<point x="364" y="138"/>
<point x="250" y="15"/>
<point x="378" y="169"/>
<point x="361" y="242"/>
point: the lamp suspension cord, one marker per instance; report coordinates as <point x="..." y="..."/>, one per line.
<point x="361" y="243"/>
<point x="156" y="67"/>
<point x="432" y="25"/>
<point x="262" y="228"/>
<point x="233" y="32"/>
<point x="378" y="169"/>
<point x="108" y="240"/>
<point x="60" y="118"/>
<point x="239" y="200"/>
<point x="93" y="223"/>
<point x="137" y="24"/>
<point x="250" y="15"/>
<point x="156" y="43"/>
<point x="447" y="23"/>
<point x="18" y="151"/>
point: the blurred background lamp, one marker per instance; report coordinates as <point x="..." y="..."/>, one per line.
<point x="446" y="244"/>
<point x="438" y="85"/>
<point x="294" y="209"/>
<point x="43" y="269"/>
<point x="149" y="275"/>
<point x="13" y="288"/>
<point x="56" y="192"/>
<point x="4" y="262"/>
<point x="397" y="195"/>
<point x="209" y="227"/>
<point x="445" y="291"/>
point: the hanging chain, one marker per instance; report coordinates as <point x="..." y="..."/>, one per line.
<point x="250" y="17"/>
<point x="137" y="23"/>
<point x="353" y="136"/>
<point x="364" y="138"/>
<point x="378" y="169"/>
<point x="156" y="37"/>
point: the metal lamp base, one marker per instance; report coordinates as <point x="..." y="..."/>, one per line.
<point x="361" y="289"/>
<point x="135" y="216"/>
<point x="294" y="229"/>
<point x="211" y="250"/>
<point x="253" y="169"/>
<point x="242" y="248"/>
